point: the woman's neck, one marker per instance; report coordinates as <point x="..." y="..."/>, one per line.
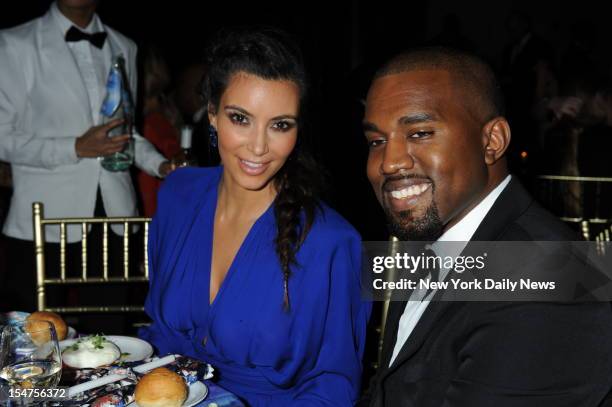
<point x="236" y="202"/>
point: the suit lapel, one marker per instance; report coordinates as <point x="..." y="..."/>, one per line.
<point x="396" y="309"/>
<point x="115" y="45"/>
<point x="512" y="202"/>
<point x="59" y="60"/>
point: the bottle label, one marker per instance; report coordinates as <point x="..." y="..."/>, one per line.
<point x="113" y="93"/>
<point x="186" y="133"/>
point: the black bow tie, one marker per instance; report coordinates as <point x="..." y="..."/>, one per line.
<point x="75" y="35"/>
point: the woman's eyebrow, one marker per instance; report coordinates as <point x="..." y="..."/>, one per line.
<point x="238" y="108"/>
<point x="285" y="117"/>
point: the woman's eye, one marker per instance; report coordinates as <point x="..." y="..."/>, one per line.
<point x="239" y="118"/>
<point x="283" y="125"/>
<point x="421" y="134"/>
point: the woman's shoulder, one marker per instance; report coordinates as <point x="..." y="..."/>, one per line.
<point x="188" y="185"/>
<point x="329" y="226"/>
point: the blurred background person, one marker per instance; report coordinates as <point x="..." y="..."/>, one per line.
<point x="161" y="123"/>
<point x="52" y="84"/>
<point x="193" y="110"/>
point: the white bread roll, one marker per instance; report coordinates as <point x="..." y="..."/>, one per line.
<point x="161" y="388"/>
<point x="61" y="329"/>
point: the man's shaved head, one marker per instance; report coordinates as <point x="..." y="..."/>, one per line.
<point x="473" y="77"/>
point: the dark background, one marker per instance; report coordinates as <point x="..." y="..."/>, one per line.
<point x="343" y="41"/>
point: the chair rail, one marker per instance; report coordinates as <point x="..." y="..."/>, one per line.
<point x="39" y="223"/>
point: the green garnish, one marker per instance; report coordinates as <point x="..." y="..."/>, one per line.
<point x="98" y="341"/>
<point x="73" y="347"/>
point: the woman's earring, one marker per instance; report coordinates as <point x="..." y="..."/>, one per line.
<point x="212" y="134"/>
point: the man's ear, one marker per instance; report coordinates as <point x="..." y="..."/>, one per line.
<point x="212" y="115"/>
<point x="496" y="138"/>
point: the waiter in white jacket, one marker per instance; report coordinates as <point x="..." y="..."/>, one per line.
<point x="52" y="83"/>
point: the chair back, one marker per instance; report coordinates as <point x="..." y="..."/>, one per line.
<point x="582" y="202"/>
<point x="43" y="281"/>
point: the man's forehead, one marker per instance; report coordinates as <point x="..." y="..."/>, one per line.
<point x="425" y="88"/>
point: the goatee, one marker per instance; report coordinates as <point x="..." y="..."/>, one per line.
<point x="427" y="228"/>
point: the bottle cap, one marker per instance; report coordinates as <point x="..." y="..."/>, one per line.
<point x="186" y="133"/>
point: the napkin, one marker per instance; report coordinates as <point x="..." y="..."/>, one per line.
<point x="115" y="384"/>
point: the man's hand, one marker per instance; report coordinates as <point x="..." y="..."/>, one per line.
<point x="166" y="168"/>
<point x="96" y="143"/>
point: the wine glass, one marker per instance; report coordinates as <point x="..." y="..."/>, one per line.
<point x="30" y="355"/>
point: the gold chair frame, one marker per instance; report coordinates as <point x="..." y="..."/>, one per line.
<point x="585" y="224"/>
<point x="380" y="330"/>
<point x="42" y="281"/>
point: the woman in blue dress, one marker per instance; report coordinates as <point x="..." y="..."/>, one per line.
<point x="250" y="272"/>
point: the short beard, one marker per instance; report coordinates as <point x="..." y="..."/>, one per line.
<point x="427" y="228"/>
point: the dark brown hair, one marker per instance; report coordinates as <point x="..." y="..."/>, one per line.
<point x="271" y="54"/>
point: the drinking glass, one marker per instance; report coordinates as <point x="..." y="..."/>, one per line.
<point x="30" y="355"/>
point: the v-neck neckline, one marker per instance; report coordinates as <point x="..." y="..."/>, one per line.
<point x="239" y="253"/>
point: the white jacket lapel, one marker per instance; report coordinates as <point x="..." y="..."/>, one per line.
<point x="57" y="55"/>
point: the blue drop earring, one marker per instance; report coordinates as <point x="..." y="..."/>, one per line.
<point x="212" y="134"/>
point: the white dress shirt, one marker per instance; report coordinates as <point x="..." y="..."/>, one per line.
<point x="93" y="62"/>
<point x="461" y="233"/>
<point x="51" y="92"/>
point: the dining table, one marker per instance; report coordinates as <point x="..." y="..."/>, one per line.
<point x="217" y="396"/>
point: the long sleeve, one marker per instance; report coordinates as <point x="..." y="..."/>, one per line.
<point x="338" y="346"/>
<point x="18" y="146"/>
<point x="512" y="357"/>
<point x="165" y="338"/>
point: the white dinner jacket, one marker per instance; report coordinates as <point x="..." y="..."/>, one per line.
<point x="44" y="106"/>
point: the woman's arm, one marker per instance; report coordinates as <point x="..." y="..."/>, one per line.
<point x="334" y="380"/>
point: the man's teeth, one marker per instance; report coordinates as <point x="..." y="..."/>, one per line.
<point x="252" y="164"/>
<point x="410" y="191"/>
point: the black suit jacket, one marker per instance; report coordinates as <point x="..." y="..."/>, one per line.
<point x="475" y="354"/>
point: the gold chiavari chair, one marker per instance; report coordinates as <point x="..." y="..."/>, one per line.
<point x="580" y="201"/>
<point x="44" y="281"/>
<point x="380" y="330"/>
<point x="602" y="240"/>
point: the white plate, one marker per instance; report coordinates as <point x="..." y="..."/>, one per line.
<point x="197" y="392"/>
<point x="137" y="348"/>
<point x="71" y="333"/>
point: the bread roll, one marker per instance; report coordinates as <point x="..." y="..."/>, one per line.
<point x="60" y="326"/>
<point x="161" y="388"/>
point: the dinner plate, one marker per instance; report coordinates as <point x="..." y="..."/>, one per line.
<point x="135" y="349"/>
<point x="71" y="333"/>
<point x="197" y="392"/>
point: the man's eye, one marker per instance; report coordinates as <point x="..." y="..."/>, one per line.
<point x="421" y="134"/>
<point x="375" y="143"/>
<point x="239" y="118"/>
<point x="283" y="125"/>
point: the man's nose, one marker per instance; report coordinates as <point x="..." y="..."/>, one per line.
<point x="396" y="155"/>
<point x="258" y="143"/>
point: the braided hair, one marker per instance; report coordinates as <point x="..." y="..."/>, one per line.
<point x="271" y="54"/>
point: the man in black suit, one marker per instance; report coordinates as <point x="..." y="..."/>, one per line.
<point x="437" y="140"/>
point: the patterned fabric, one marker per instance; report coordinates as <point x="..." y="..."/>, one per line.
<point x="121" y="393"/>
